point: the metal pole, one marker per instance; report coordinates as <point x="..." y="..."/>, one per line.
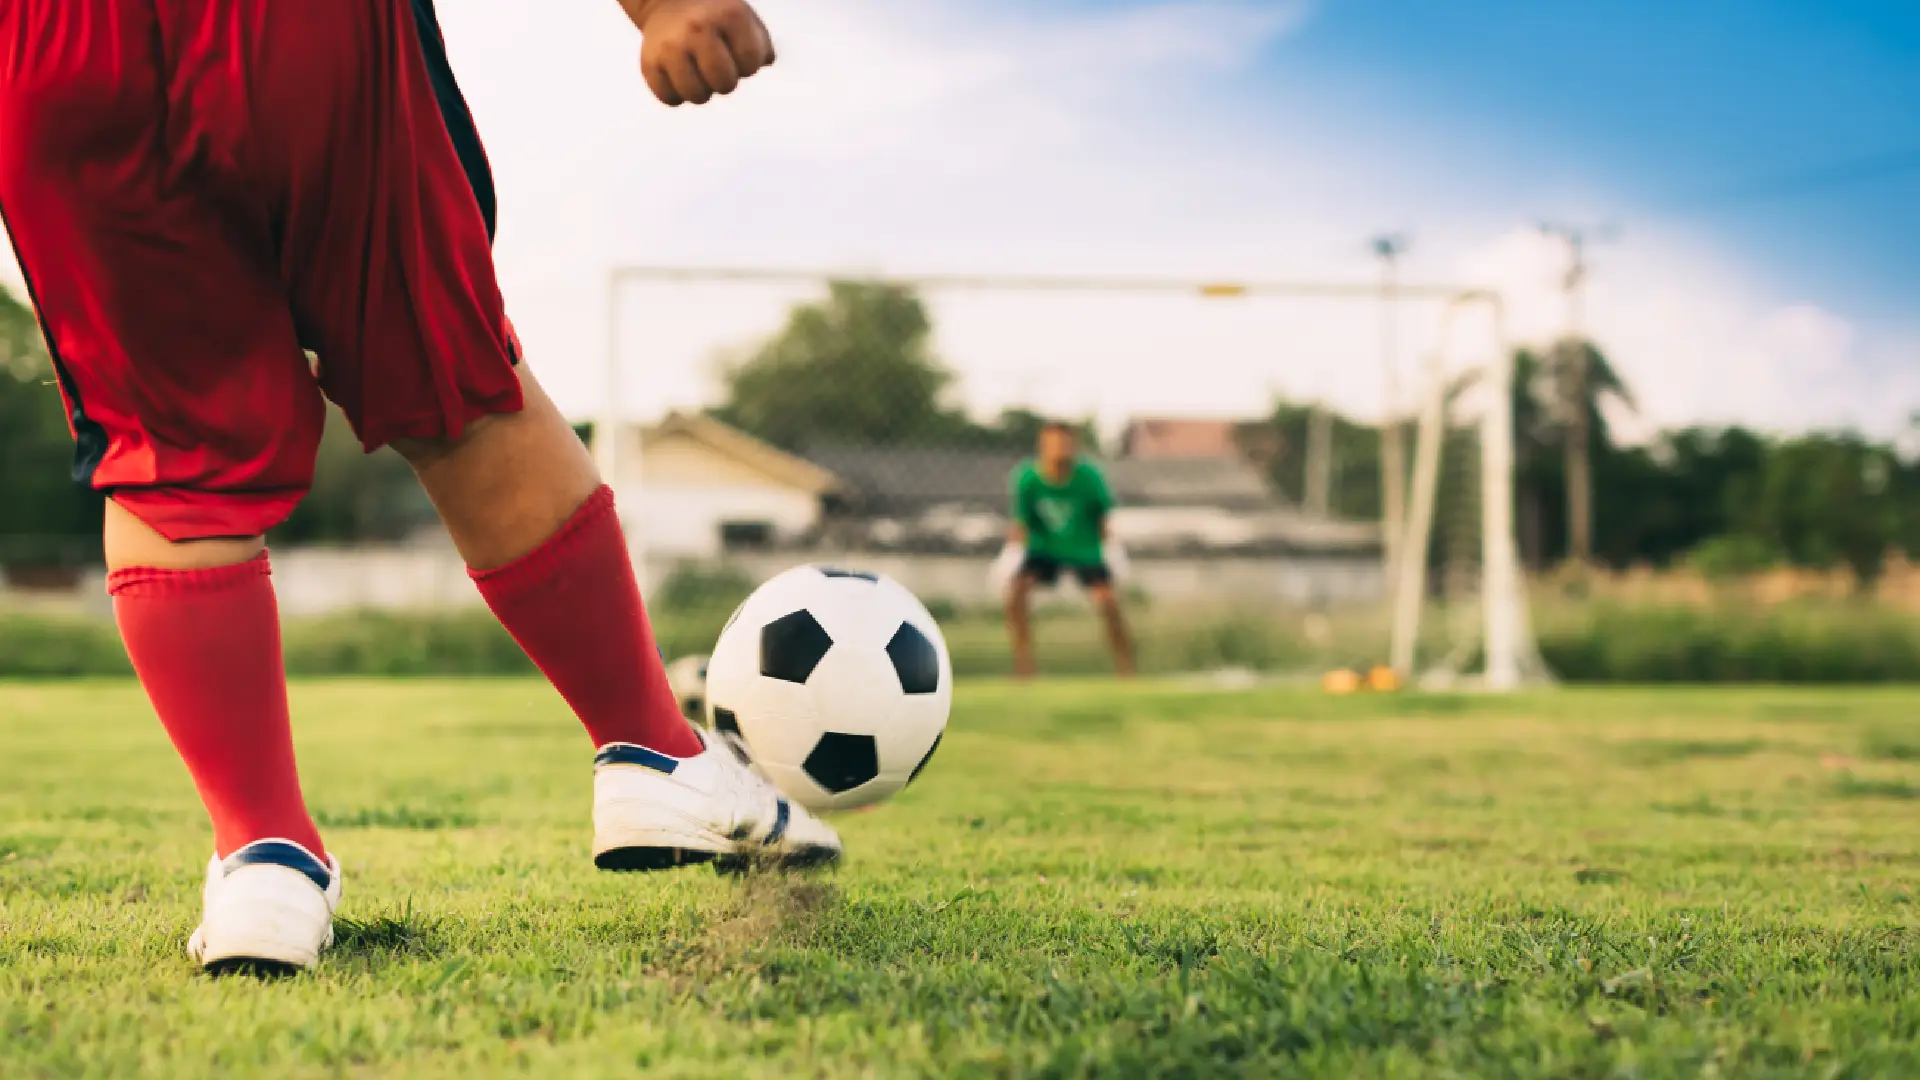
<point x="1576" y="381"/>
<point x="615" y="466"/>
<point x="1504" y="610"/>
<point x="606" y="439"/>
<point x="1411" y="590"/>
<point x="1579" y="434"/>
<point x="1506" y="624"/>
<point x="1319" y="478"/>
<point x="1393" y="454"/>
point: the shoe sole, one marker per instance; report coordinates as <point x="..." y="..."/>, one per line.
<point x="245" y="966"/>
<point x="641" y="860"/>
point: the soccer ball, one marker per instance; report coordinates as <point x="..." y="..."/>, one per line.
<point x="835" y="685"/>
<point x="688" y="678"/>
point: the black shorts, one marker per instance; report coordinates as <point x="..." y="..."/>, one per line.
<point x="1045" y="570"/>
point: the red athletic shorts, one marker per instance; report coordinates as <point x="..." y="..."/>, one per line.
<point x="202" y="192"/>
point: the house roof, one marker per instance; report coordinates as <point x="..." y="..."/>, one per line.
<point x="1163" y="438"/>
<point x="1226" y="482"/>
<point x="905" y="480"/>
<point x="741" y="447"/>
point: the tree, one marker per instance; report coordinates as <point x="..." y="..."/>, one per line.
<point x="856" y="368"/>
<point x="1355" y="488"/>
<point x="45" y="518"/>
<point x="1825" y="501"/>
<point x="1585" y="380"/>
<point x="356" y="497"/>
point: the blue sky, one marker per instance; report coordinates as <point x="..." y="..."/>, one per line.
<point x="1744" y="117"/>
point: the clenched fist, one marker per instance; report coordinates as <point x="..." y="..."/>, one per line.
<point x="694" y="49"/>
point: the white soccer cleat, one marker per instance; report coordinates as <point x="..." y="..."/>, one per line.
<point x="654" y="812"/>
<point x="268" y="906"/>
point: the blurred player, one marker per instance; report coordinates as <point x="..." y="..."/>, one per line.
<point x="1060" y="508"/>
<point x="202" y="191"/>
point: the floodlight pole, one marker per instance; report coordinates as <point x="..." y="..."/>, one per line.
<point x="1393" y="453"/>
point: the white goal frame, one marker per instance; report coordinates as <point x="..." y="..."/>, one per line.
<point x="1511" y="657"/>
<point x="1508" y="638"/>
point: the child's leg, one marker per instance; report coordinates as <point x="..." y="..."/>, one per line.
<point x="1107" y="602"/>
<point x="1020" y="623"/>
<point x="528" y="512"/>
<point x="201" y="625"/>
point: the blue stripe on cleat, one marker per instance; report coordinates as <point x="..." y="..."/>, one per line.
<point x="780" y="815"/>
<point x="629" y="754"/>
<point x="279" y="853"/>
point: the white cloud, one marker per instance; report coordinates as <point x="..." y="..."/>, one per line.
<point x="950" y="135"/>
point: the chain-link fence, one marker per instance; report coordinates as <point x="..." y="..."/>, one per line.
<point x="763" y="419"/>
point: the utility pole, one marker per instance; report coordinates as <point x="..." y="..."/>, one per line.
<point x="1393" y="452"/>
<point x="1576" y="376"/>
<point x="1319" y="479"/>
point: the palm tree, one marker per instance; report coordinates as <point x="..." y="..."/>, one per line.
<point x="1581" y="380"/>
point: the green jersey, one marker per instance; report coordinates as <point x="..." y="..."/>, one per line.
<point x="1063" y="521"/>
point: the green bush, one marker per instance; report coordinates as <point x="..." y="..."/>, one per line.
<point x="692" y="586"/>
<point x="1725" y="558"/>
<point x="40" y="647"/>
<point x="1826" y="643"/>
<point x="1587" y="643"/>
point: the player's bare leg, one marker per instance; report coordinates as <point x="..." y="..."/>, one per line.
<point x="529" y="513"/>
<point x="1020" y="625"/>
<point x="508" y="482"/>
<point x="130" y="543"/>
<point x="1107" y="602"/>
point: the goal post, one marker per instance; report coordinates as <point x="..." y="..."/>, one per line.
<point x="1508" y="655"/>
<point x="1389" y="630"/>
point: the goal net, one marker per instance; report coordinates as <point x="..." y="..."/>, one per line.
<point x="1460" y="613"/>
<point x="755" y="419"/>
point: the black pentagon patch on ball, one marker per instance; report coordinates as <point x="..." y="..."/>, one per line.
<point x="725" y="721"/>
<point x="791" y="646"/>
<point x="857" y="575"/>
<point x="841" y="763"/>
<point x="915" y="660"/>
<point x="917" y="769"/>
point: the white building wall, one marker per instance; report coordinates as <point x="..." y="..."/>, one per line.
<point x="677" y="522"/>
<point x="318" y="581"/>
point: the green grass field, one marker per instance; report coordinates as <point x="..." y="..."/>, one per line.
<point x="1089" y="880"/>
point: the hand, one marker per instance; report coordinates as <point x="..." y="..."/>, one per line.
<point x="1007" y="566"/>
<point x="694" y="49"/>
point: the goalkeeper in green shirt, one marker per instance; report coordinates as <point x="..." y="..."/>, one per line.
<point x="1060" y="508"/>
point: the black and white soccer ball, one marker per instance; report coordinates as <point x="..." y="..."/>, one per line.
<point x="835" y="684"/>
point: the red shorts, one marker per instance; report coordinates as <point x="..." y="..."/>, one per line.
<point x="202" y="192"/>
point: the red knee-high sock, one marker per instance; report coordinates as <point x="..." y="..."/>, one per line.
<point x="206" y="645"/>
<point x="574" y="606"/>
